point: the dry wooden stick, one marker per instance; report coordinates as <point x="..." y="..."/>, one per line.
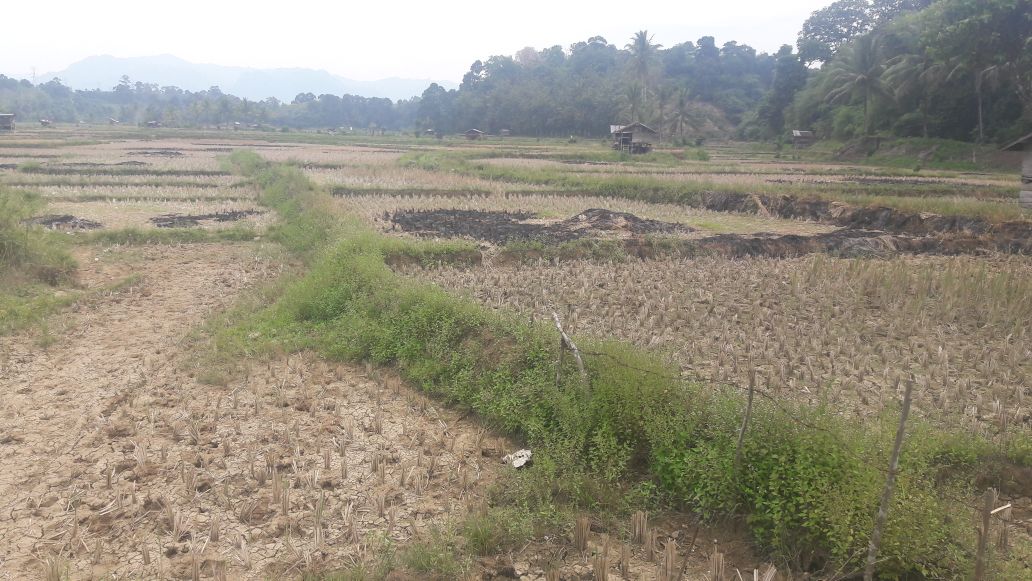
<point x="890" y="487"/>
<point x="981" y="557"/>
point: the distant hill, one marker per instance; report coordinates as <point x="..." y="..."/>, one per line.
<point x="103" y="72"/>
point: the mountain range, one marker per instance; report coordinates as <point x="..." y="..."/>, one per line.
<point x="104" y="72"/>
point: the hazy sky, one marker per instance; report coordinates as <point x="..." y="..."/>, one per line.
<point x="369" y="39"/>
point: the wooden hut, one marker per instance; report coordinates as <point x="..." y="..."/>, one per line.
<point x="633" y="138"/>
<point x="6" y="121"/>
<point x="474" y="134"/>
<point x="802" y="139"/>
<point x="1024" y="145"/>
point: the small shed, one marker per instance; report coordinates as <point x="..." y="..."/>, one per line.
<point x="113" y="121"/>
<point x="6" y="121"/>
<point x="1024" y="145"/>
<point x="153" y="124"/>
<point x="633" y="138"/>
<point x="45" y="122"/>
<point x="802" y="139"/>
<point x="504" y="133"/>
<point x="474" y="134"/>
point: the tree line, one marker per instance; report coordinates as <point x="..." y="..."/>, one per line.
<point x="958" y="69"/>
<point x="139" y="102"/>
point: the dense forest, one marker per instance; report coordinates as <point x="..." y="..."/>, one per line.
<point x="958" y="69"/>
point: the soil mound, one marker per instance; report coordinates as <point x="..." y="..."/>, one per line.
<point x="602" y="220"/>
<point x="508" y="227"/>
<point x="190" y="220"/>
<point x="65" y="222"/>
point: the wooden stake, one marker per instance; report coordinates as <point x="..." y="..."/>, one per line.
<point x="982" y="557"/>
<point x="890" y="487"/>
<point x="745" y="419"/>
<point x="568" y="342"/>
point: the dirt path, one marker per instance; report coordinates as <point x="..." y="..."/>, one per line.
<point x="118" y="464"/>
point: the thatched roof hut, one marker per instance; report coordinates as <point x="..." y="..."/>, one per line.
<point x="474" y="134"/>
<point x="1025" y="145"/>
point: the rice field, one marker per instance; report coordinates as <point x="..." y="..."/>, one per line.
<point x="810" y="327"/>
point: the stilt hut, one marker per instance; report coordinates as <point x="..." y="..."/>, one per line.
<point x="1024" y="145"/>
<point x="6" y="121"/>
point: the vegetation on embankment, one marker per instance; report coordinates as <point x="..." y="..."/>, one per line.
<point x="142" y="236"/>
<point x="32" y="262"/>
<point x="939" y="198"/>
<point x="807" y="483"/>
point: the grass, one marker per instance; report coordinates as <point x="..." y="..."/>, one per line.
<point x="918" y="198"/>
<point x="809" y="480"/>
<point x="33" y="262"/>
<point x="145" y="236"/>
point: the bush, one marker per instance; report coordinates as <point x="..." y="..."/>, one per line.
<point x="29" y="251"/>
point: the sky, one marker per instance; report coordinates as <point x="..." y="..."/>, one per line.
<point x="369" y="39"/>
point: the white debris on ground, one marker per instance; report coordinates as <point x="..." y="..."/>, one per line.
<point x="518" y="459"/>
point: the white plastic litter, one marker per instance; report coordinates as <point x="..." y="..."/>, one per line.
<point x="518" y="459"/>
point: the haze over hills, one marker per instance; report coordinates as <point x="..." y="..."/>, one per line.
<point x="104" y="72"/>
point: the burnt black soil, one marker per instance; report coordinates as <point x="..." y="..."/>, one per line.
<point x="508" y="227"/>
<point x="845" y="243"/>
<point x="64" y="222"/>
<point x="190" y="220"/>
<point x="161" y="152"/>
<point x="1012" y="237"/>
<point x="131" y="163"/>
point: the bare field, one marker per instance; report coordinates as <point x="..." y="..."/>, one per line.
<point x="120" y="464"/>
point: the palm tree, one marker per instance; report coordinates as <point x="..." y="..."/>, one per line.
<point x="857" y="73"/>
<point x="632" y="103"/>
<point x="682" y="110"/>
<point x="643" y="53"/>
<point x="916" y="74"/>
<point x="664" y="94"/>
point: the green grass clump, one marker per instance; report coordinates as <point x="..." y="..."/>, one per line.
<point x="33" y="261"/>
<point x="29" y="252"/>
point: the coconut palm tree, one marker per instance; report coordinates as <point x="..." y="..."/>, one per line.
<point x="857" y="73"/>
<point x="920" y="75"/>
<point x="682" y="110"/>
<point x="643" y="53"/>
